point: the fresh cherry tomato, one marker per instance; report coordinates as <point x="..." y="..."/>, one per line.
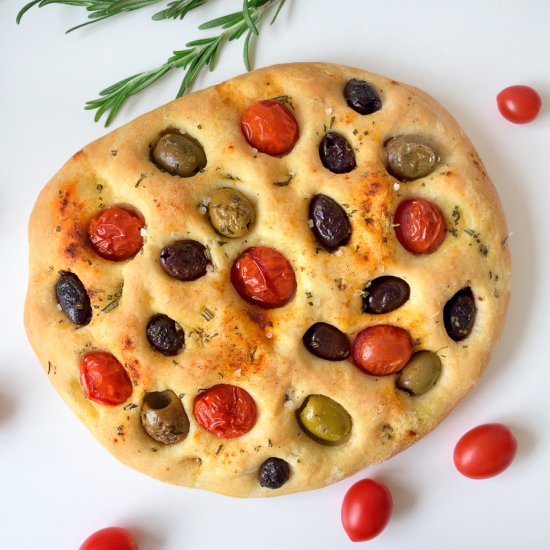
<point x="110" y="538"/>
<point x="264" y="277"/>
<point x="485" y="451"/>
<point x="366" y="510"/>
<point x="104" y="379"/>
<point x="270" y="127"/>
<point x="519" y="104"/>
<point x="382" y="349"/>
<point x="419" y="226"/>
<point x="225" y="410"/>
<point x="115" y="233"/>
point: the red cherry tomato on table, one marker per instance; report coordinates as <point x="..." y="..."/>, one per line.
<point x="366" y="510"/>
<point x="485" y="451"/>
<point x="519" y="104"/>
<point x="110" y="538"/>
<point x="225" y="410"/>
<point x="104" y="379"/>
<point x="270" y="127"/>
<point x="382" y="349"/>
<point x="264" y="277"/>
<point x="419" y="226"/>
<point x="115" y="233"/>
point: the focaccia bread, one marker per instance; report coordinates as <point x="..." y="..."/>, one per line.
<point x="270" y="284"/>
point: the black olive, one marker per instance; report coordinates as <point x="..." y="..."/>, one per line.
<point x="384" y="294"/>
<point x="331" y="225"/>
<point x="327" y="342"/>
<point x="459" y="314"/>
<point x="274" y="473"/>
<point x="336" y="153"/>
<point x="165" y="335"/>
<point x="362" y="97"/>
<point x="163" y="417"/>
<point x="185" y="260"/>
<point x="178" y="154"/>
<point x="73" y="298"/>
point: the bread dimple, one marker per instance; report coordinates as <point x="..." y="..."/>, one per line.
<point x="238" y="343"/>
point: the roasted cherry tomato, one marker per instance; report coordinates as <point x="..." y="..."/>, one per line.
<point x="270" y="127"/>
<point x="110" y="538"/>
<point x="519" y="104"/>
<point x="225" y="410"/>
<point x="382" y="349"/>
<point x="419" y="226"/>
<point x="485" y="451"/>
<point x="115" y="233"/>
<point x="104" y="379"/>
<point x="366" y="510"/>
<point x="264" y="277"/>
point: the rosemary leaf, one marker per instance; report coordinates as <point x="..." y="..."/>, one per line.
<point x="248" y="18"/>
<point x="246" y="52"/>
<point x="279" y="8"/>
<point x="25" y="9"/>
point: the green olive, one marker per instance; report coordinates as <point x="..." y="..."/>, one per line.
<point x="179" y="154"/>
<point x="324" y="420"/>
<point x="410" y="157"/>
<point x="420" y="373"/>
<point x="163" y="417"/>
<point x="231" y="213"/>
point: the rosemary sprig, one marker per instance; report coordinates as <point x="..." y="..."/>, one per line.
<point x="200" y="54"/>
<point x="98" y="9"/>
<point x="103" y="9"/>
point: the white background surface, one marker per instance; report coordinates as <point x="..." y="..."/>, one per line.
<point x="59" y="485"/>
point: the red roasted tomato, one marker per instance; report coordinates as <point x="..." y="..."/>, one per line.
<point x="419" y="226"/>
<point x="115" y="233"/>
<point x="110" y="538"/>
<point x="264" y="277"/>
<point x="225" y="410"/>
<point x="270" y="127"/>
<point x="382" y="349"/>
<point x="104" y="379"/>
<point x="485" y="451"/>
<point x="366" y="510"/>
<point x="519" y="104"/>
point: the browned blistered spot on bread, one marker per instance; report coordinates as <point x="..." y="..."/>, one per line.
<point x="134" y="366"/>
<point x="63" y="202"/>
<point x="373" y="188"/>
<point x="78" y="154"/>
<point x="365" y="206"/>
<point x="68" y="214"/>
<point x="71" y="251"/>
<point x="128" y="343"/>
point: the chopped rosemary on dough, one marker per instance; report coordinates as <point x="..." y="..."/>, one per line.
<point x="207" y="314"/>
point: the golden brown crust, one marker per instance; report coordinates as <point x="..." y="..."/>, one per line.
<point x="261" y="350"/>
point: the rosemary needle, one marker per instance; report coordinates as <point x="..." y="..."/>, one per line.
<point x="198" y="55"/>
